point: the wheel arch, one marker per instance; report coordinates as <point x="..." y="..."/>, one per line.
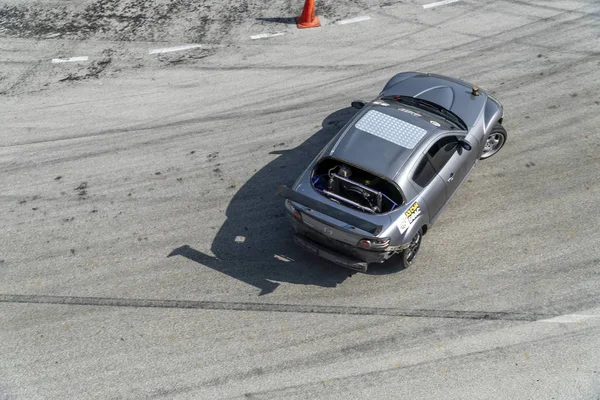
<point x="493" y="113"/>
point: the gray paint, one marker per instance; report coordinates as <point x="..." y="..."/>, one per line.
<point x="451" y="93"/>
<point x="372" y="153"/>
<point x="397" y="163"/>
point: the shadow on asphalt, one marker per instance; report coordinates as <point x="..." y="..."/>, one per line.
<point x="290" y="21"/>
<point x="268" y="254"/>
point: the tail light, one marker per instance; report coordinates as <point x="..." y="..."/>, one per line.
<point x="297" y="216"/>
<point x="377" y="243"/>
<point x="295" y="213"/>
<point x="365" y="244"/>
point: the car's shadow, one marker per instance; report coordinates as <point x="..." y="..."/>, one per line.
<point x="255" y="243"/>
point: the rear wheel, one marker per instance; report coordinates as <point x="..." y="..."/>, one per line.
<point x="408" y="255"/>
<point x="494" y="141"/>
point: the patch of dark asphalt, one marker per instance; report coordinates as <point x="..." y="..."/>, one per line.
<point x="189" y="57"/>
<point x="81" y="189"/>
<point x="93" y="71"/>
<point x="271" y="307"/>
<point x="124" y="20"/>
<point x="150" y="20"/>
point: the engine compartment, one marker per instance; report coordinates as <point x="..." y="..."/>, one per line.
<point x="349" y="185"/>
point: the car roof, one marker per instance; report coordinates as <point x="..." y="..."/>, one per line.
<point x="382" y="137"/>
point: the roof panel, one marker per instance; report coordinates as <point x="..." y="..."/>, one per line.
<point x="391" y="129"/>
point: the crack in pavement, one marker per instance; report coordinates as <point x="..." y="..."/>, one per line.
<point x="271" y="307"/>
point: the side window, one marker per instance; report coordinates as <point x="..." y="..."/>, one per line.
<point x="435" y="159"/>
<point x="424" y="172"/>
<point x="442" y="151"/>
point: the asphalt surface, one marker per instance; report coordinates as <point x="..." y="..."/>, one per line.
<point x="143" y="253"/>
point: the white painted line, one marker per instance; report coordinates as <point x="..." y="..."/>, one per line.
<point x="266" y="35"/>
<point x="170" y="49"/>
<point x="72" y="59"/>
<point x="570" y="319"/>
<point x="439" y="3"/>
<point x="240" y="239"/>
<point x="353" y="20"/>
<point x="51" y="35"/>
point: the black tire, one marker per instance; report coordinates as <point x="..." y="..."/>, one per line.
<point x="407" y="256"/>
<point x="494" y="141"/>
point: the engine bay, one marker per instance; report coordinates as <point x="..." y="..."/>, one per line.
<point x="354" y="187"/>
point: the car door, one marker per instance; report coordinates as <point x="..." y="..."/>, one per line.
<point x="425" y="175"/>
<point x="459" y="164"/>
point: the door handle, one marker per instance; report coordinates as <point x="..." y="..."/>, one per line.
<point x="451" y="177"/>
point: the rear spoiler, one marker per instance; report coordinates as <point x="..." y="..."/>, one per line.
<point x="292" y="195"/>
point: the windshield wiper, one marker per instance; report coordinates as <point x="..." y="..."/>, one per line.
<point x="431" y="107"/>
<point x="449" y="116"/>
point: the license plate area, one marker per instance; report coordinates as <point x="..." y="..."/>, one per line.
<point x="360" y="266"/>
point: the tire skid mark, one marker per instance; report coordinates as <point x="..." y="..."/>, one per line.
<point x="94" y="101"/>
<point x="477" y="46"/>
<point x="113" y="150"/>
<point x="270" y="307"/>
<point x="261" y="67"/>
<point x="549" y="8"/>
<point x="145" y="126"/>
<point x="474" y="353"/>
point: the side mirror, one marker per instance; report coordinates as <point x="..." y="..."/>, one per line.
<point x="465" y="145"/>
<point x="358" y="104"/>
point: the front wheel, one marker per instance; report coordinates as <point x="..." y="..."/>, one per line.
<point x="494" y="141"/>
<point x="409" y="254"/>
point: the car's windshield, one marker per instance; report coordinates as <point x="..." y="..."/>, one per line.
<point x="429" y="107"/>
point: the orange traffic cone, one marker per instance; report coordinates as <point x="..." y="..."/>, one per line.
<point x="308" y="19"/>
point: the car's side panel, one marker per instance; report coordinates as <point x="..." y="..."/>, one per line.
<point x="447" y="179"/>
<point x="434" y="195"/>
<point x="408" y="221"/>
<point x="449" y="197"/>
<point x="493" y="112"/>
<point x="457" y="168"/>
<point x="475" y="139"/>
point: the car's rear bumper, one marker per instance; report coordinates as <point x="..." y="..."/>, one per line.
<point x="329" y="254"/>
<point x="335" y="251"/>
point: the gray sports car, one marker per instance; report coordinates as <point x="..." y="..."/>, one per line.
<point x="379" y="185"/>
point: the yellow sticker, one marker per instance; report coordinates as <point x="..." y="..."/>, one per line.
<point x="409" y="217"/>
<point x="412" y="209"/>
